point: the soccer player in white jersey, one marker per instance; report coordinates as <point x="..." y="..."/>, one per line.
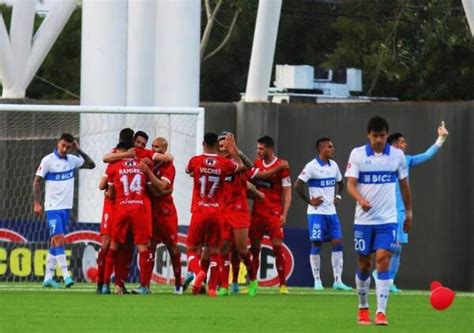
<point x="322" y="176"/>
<point x="58" y="170"/>
<point x="372" y="173"/>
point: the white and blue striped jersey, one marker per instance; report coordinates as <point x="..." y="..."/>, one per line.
<point x="377" y="175"/>
<point x="321" y="178"/>
<point x="58" y="173"/>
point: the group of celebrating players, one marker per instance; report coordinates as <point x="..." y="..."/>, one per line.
<point x="139" y="209"/>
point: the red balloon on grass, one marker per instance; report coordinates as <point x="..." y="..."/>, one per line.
<point x="435" y="284"/>
<point x="441" y="298"/>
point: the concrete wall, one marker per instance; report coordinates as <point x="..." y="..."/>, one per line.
<point x="441" y="241"/>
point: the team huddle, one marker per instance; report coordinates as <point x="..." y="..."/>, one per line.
<point x="139" y="211"/>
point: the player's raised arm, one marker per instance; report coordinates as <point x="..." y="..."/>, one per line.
<point x="267" y="174"/>
<point x="88" y="162"/>
<point x="231" y="147"/>
<point x="163" y="157"/>
<point x="253" y="193"/>
<point x="433" y="150"/>
<point x="118" y="156"/>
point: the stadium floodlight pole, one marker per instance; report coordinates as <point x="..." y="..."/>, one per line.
<point x="469" y="9"/>
<point x="46" y="35"/>
<point x="141" y="52"/>
<point x="21" y="30"/>
<point x="178" y="36"/>
<point x="263" y="50"/>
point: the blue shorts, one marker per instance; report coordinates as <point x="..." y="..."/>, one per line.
<point x="370" y="238"/>
<point x="323" y="228"/>
<point x="58" y="221"/>
<point x="402" y="236"/>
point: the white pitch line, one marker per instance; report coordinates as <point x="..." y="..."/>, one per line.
<point x="262" y="291"/>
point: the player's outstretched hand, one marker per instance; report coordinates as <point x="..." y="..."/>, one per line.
<point x="407" y="224"/>
<point x="260" y="196"/>
<point x="365" y="205"/>
<point x="147" y="161"/>
<point x="316" y="201"/>
<point x="442" y="131"/>
<point x="282" y="220"/>
<point x="38" y="209"/>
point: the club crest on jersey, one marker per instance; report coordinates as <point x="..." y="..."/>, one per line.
<point x="210" y="162"/>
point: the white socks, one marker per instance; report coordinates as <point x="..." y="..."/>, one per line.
<point x="50" y="267"/>
<point x="363" y="291"/>
<point x="337" y="263"/>
<point x="63" y="265"/>
<point x="315" y="261"/>
<point x="382" y="289"/>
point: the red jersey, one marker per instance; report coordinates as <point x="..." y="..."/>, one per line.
<point x="142" y="153"/>
<point x="272" y="188"/>
<point x="164" y="205"/>
<point x="208" y="172"/>
<point x="235" y="193"/>
<point x="128" y="181"/>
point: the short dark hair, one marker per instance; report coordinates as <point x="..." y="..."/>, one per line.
<point x="223" y="135"/>
<point x="377" y="124"/>
<point x="394" y="137"/>
<point x="321" y="140"/>
<point x="142" y="134"/>
<point x="210" y="139"/>
<point x="267" y="141"/>
<point x="126" y="134"/>
<point x="124" y="145"/>
<point x="67" y="137"/>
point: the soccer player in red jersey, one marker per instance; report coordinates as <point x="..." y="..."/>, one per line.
<point x="126" y="184"/>
<point x="209" y="171"/>
<point x="269" y="215"/>
<point x="164" y="215"/>
<point x="140" y="139"/>
<point x="125" y="135"/>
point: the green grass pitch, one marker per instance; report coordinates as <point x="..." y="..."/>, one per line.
<point x="26" y="307"/>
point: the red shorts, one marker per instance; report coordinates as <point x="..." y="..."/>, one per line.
<point x="131" y="219"/>
<point x="204" y="228"/>
<point x="165" y="229"/>
<point x="269" y="225"/>
<point x="235" y="220"/>
<point x="107" y="220"/>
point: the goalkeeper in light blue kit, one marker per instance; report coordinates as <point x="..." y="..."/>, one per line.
<point x="397" y="140"/>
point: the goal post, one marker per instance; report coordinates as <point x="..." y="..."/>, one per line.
<point x="28" y="132"/>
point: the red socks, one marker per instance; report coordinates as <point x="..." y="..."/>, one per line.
<point x="193" y="262"/>
<point x="109" y="265"/>
<point x="145" y="263"/>
<point x="101" y="258"/>
<point x="280" y="263"/>
<point x="255" y="259"/>
<point x="214" y="271"/>
<point x="248" y="262"/>
<point x="224" y="271"/>
<point x="176" y="261"/>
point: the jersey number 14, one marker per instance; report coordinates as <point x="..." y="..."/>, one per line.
<point x="134" y="186"/>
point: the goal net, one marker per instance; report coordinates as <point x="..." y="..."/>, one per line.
<point x="29" y="132"/>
